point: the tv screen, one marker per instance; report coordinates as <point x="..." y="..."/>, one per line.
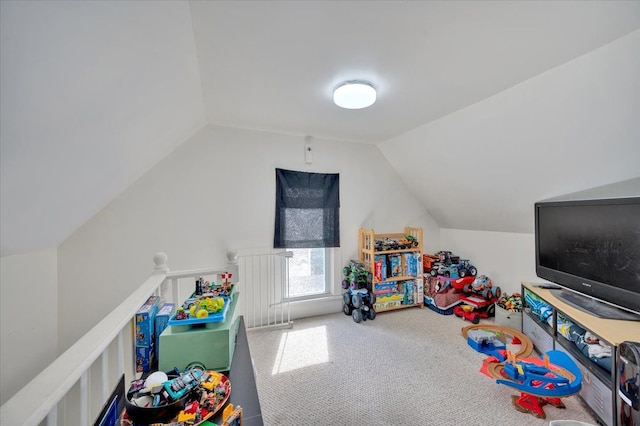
<point x="591" y="247"/>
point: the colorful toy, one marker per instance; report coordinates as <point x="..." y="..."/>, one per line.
<point x="512" y="303"/>
<point x="386" y="244"/>
<point x="356" y="276"/>
<point x="474" y="313"/>
<point x="540" y="381"/>
<point x="188" y="399"/>
<point x="408" y="241"/>
<point x="445" y="263"/>
<point x="427" y="262"/>
<point x="485" y="342"/>
<point x="226" y="278"/>
<point x="232" y="416"/>
<point x="504" y="333"/>
<point x="359" y="298"/>
<point x="483" y="286"/>
<point x="201" y="308"/>
<point x="466" y="268"/>
<point x="447" y="257"/>
<point x="359" y="304"/>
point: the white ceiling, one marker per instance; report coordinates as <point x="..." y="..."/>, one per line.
<point x="93" y="94"/>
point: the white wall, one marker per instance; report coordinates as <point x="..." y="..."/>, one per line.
<point x="505" y="257"/>
<point x="571" y="128"/>
<point x="214" y="193"/>
<point x="93" y="95"/>
<point x="28" y="318"/>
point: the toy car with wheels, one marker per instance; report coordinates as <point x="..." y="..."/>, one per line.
<point x="447" y="257"/>
<point x="428" y="260"/>
<point x="439" y="268"/>
<point x="466" y="268"/>
<point x="474" y="314"/>
<point x="407" y="242"/>
<point x="356" y="276"/>
<point x="359" y="304"/>
<point x="386" y="244"/>
<point x="483" y="286"/>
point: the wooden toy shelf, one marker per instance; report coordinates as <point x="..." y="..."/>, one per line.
<point x="367" y="255"/>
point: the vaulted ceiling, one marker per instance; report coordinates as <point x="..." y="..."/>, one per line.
<point x="93" y="94"/>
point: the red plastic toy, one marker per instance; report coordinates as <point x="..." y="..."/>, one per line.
<point x="475" y="308"/>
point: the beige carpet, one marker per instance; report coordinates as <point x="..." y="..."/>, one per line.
<point x="406" y="367"/>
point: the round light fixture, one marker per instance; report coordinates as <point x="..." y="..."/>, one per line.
<point x="354" y="95"/>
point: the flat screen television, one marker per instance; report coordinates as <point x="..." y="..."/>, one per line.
<point x="591" y="248"/>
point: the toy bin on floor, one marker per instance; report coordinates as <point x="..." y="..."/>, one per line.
<point x="210" y="344"/>
<point x="508" y="318"/>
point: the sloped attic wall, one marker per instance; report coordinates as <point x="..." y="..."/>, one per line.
<point x="93" y="95"/>
<point x="215" y="193"/>
<point x="28" y="317"/>
<point x="483" y="168"/>
<point x="571" y="128"/>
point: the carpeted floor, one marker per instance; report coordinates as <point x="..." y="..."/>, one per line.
<point x="406" y="367"/>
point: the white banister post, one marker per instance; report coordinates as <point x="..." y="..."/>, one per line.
<point x="174" y="291"/>
<point x="232" y="257"/>
<point x="105" y="374"/>
<point x="160" y="259"/>
<point x="232" y="260"/>
<point x="84" y="398"/>
<point x="52" y="417"/>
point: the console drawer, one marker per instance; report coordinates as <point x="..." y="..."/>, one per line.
<point x="542" y="340"/>
<point x="595" y="393"/>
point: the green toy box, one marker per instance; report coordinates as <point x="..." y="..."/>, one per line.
<point x="210" y="344"/>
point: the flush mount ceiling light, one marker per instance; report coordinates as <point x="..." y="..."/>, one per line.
<point x="354" y="95"/>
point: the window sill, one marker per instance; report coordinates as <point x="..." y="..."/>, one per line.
<point x="315" y="298"/>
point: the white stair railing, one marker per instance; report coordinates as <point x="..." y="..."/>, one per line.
<point x="69" y="391"/>
<point x="264" y="284"/>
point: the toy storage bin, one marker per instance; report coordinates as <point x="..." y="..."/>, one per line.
<point x="210" y="344"/>
<point x="509" y="319"/>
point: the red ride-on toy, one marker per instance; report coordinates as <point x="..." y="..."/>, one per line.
<point x="473" y="314"/>
<point x="475" y="308"/>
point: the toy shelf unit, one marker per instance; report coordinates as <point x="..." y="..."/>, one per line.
<point x="395" y="261"/>
<point x="590" y="341"/>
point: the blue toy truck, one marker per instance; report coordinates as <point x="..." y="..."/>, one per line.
<point x="359" y="298"/>
<point x="359" y="304"/>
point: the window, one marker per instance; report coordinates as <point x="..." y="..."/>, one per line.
<point x="309" y="273"/>
<point x="307" y="223"/>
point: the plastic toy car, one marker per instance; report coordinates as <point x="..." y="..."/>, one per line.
<point x="447" y="257"/>
<point x="473" y="314"/>
<point x="386" y="244"/>
<point x="428" y="260"/>
<point x="439" y="268"/>
<point x="483" y="286"/>
<point x="359" y="304"/>
<point x="356" y="276"/>
<point x="465" y="268"/>
<point x="407" y="242"/>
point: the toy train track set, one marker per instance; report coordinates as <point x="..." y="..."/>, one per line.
<point x="540" y="381"/>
